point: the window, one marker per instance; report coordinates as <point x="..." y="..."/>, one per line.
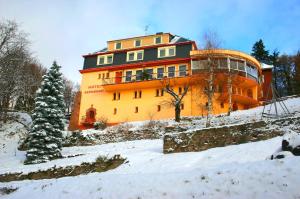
<point x="222" y="104"/>
<point x="130" y="57"/>
<point x="116" y="96"/>
<point x="109" y="59"/>
<point x="171" y="51"/>
<point x="171" y="71"/>
<point x="99" y="76"/>
<point x="136" y="109"/>
<point x="182" y="70"/>
<point x="115" y="111"/>
<point x="101" y="60"/>
<point x="135" y="55"/>
<point x="162" y="52"/>
<point x="139" y="75"/>
<point x="158" y="108"/>
<point x="149" y="73"/>
<point x="137" y="43"/>
<point x="179" y="90"/>
<point x="118" y="46"/>
<point x="157" y="40"/>
<point x="107" y="75"/>
<point x="105" y="59"/>
<point x="159" y="92"/>
<point x="137" y="94"/>
<point x="181" y="106"/>
<point x="128" y="76"/>
<point x="160" y="73"/>
<point x="166" y="51"/>
<point x="139" y="55"/>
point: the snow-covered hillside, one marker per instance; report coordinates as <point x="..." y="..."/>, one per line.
<point x="239" y="171"/>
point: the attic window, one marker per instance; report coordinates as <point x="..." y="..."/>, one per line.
<point x="137" y="43"/>
<point x="118" y="46"/>
<point x="157" y="40"/>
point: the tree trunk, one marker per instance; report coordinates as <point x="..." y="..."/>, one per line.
<point x="229" y="93"/>
<point x="177" y="113"/>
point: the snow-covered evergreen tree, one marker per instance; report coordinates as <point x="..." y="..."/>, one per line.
<point x="45" y="137"/>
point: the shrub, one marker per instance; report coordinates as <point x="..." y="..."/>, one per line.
<point x="101" y="124"/>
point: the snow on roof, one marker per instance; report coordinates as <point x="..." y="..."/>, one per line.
<point x="266" y="66"/>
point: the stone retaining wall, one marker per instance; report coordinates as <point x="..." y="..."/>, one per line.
<point x="203" y="139"/>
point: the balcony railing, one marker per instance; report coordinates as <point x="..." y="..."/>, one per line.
<point x="143" y="77"/>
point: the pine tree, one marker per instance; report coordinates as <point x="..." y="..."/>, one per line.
<point x="274" y="60"/>
<point x="45" y="137"/>
<point x="297" y="73"/>
<point x="259" y="52"/>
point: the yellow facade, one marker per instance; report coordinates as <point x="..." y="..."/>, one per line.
<point x="114" y="98"/>
<point x="145" y="41"/>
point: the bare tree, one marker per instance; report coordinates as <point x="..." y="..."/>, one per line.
<point x="176" y="98"/>
<point x="14" y="56"/>
<point x="69" y="94"/>
<point x="211" y="42"/>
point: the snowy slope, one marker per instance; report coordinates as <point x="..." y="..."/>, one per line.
<point x="239" y="171"/>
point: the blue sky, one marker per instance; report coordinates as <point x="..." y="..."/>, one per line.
<point x="66" y="29"/>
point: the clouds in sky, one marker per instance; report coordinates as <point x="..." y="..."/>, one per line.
<point x="64" y="30"/>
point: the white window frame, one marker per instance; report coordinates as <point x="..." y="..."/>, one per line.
<point x="105" y="59"/>
<point x="136" y="41"/>
<point x="155" y="40"/>
<point x="167" y="51"/>
<point x="135" y="55"/>
<point x="116" y="46"/>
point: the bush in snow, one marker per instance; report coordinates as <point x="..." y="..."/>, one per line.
<point x="291" y="142"/>
<point x="101" y="123"/>
<point x="290" y="145"/>
<point x="45" y="137"/>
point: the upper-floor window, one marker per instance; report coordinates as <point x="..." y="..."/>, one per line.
<point x="138" y="75"/>
<point x="135" y="55"/>
<point x="149" y="73"/>
<point x="128" y="76"/>
<point x="105" y="59"/>
<point x="118" y="45"/>
<point x="157" y="40"/>
<point x="160" y="73"/>
<point x="182" y="70"/>
<point x="171" y="71"/>
<point x="137" y="43"/>
<point x="167" y="51"/>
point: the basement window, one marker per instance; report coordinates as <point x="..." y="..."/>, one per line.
<point x="136" y="109"/>
<point x="158" y="108"/>
<point x="115" y="111"/>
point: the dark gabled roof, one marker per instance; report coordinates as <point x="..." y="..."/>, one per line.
<point x="177" y="39"/>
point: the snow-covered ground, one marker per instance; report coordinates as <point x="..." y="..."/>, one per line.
<point x="241" y="171"/>
<point x="238" y="171"/>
